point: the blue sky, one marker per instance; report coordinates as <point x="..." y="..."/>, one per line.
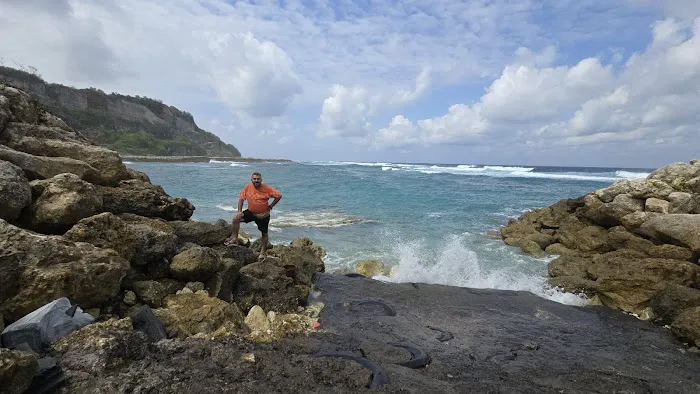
<point x="553" y="82"/>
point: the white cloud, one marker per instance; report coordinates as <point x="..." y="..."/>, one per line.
<point x="652" y="98"/>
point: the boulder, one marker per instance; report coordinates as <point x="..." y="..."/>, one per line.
<point x="15" y="193"/>
<point x="266" y="284"/>
<point x="241" y="254"/>
<point x="201" y="233"/>
<point x="51" y="128"/>
<point x="636" y="188"/>
<point x="144" y="199"/>
<point x="656" y="205"/>
<point x="155" y="243"/>
<point x="301" y="257"/>
<point x="196" y="263"/>
<point x="559" y="249"/>
<point x="530" y="247"/>
<point x="188" y="314"/>
<point x="687" y="326"/>
<point x="152" y="292"/>
<point x="369" y="267"/>
<point x="627" y="280"/>
<point x="36" y="269"/>
<point x="100" y="346"/>
<point x="620" y="238"/>
<point x="21" y="105"/>
<point x="105" y="161"/>
<point x="569" y="265"/>
<point x="681" y="202"/>
<point x="672" y="300"/>
<point x="106" y="231"/>
<point x="677" y="229"/>
<point x="221" y="284"/>
<point x="634" y="220"/>
<point x="5" y="113"/>
<point x="676" y="174"/>
<point x="42" y="167"/>
<point x="141" y="176"/>
<point x="61" y="202"/>
<point x="256" y="320"/>
<point x="17" y="370"/>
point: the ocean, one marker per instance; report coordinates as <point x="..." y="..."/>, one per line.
<point x="432" y="221"/>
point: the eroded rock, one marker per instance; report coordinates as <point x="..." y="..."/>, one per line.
<point x="15" y="193"/>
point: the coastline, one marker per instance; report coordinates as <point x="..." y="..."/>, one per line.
<point x="196" y="159"/>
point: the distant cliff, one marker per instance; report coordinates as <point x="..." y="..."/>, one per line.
<point x="127" y="124"/>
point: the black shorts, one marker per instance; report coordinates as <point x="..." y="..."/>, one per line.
<point x="262" y="224"/>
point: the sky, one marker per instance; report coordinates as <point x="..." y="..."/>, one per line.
<point x="517" y="82"/>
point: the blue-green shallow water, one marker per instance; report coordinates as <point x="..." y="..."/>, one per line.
<point x="430" y="220"/>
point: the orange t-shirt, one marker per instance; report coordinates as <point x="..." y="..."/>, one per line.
<point x="258" y="198"/>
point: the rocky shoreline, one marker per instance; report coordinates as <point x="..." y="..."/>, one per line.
<point x="632" y="246"/>
<point x="107" y="285"/>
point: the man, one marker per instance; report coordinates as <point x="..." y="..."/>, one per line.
<point x="258" y="196"/>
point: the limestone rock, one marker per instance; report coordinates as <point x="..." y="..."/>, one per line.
<point x="687" y="325"/>
<point x="155" y="243"/>
<point x="61" y="202"/>
<point x="201" y="233"/>
<point x="672" y="300"/>
<point x="17" y="370"/>
<point x="21" y="106"/>
<point x="106" y="231"/>
<point x="636" y="188"/>
<point x="141" y="176"/>
<point x="195" y="264"/>
<point x="656" y="205"/>
<point x="242" y="254"/>
<point x="569" y="265"/>
<point x="105" y="161"/>
<point x="189" y="314"/>
<point x="50" y="127"/>
<point x="676" y="174"/>
<point x="257" y="320"/>
<point x="308" y="243"/>
<point x="531" y="248"/>
<point x="222" y="282"/>
<point x="634" y="220"/>
<point x="304" y="259"/>
<point x="36" y="269"/>
<point x="559" y="249"/>
<point x="680" y="202"/>
<point x="369" y="267"/>
<point x="267" y="285"/>
<point x="152" y="292"/>
<point x="678" y="229"/>
<point x="42" y="167"/>
<point x="15" y="193"/>
<point x="145" y="199"/>
<point x="100" y="346"/>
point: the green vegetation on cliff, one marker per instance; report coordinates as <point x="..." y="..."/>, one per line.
<point x="131" y="125"/>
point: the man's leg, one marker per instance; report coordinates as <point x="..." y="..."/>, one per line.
<point x="235" y="228"/>
<point x="263" y="247"/>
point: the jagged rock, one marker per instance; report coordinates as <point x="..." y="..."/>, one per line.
<point x="676" y="174"/>
<point x="21" y="106"/>
<point x="17" y="370"/>
<point x="105" y="161"/>
<point x="201" y="233"/>
<point x="656" y="205"/>
<point x="221" y="284"/>
<point x="100" y="346"/>
<point x="303" y="257"/>
<point x="678" y="229"/>
<point x="687" y="325"/>
<point x="106" y="231"/>
<point x="634" y="220"/>
<point x="61" y="202"/>
<point x="50" y="128"/>
<point x="15" y="193"/>
<point x="256" y="320"/>
<point x="369" y="267"/>
<point x="152" y="292"/>
<point x="569" y="265"/>
<point x="620" y="238"/>
<point x="308" y="243"/>
<point x="636" y="188"/>
<point x="36" y="269"/>
<point x="242" y="254"/>
<point x="559" y="249"/>
<point x="628" y="281"/>
<point x="134" y="174"/>
<point x="155" y="243"/>
<point x="129" y="298"/>
<point x="266" y="284"/>
<point x="672" y="300"/>
<point x="189" y="314"/>
<point x="196" y="263"/>
<point x="681" y="202"/>
<point x="143" y="319"/>
<point x="144" y="199"/>
<point x="42" y="167"/>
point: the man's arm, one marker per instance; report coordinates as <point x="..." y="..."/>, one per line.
<point x="240" y="204"/>
<point x="275" y="201"/>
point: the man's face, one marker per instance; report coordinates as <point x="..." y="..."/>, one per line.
<point x="256" y="180"/>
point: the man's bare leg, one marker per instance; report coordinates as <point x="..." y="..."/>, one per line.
<point x="235" y="228"/>
<point x="263" y="246"/>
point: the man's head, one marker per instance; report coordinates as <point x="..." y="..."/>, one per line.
<point x="256" y="179"/>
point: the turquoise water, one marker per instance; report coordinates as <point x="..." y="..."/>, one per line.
<point x="431" y="221"/>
